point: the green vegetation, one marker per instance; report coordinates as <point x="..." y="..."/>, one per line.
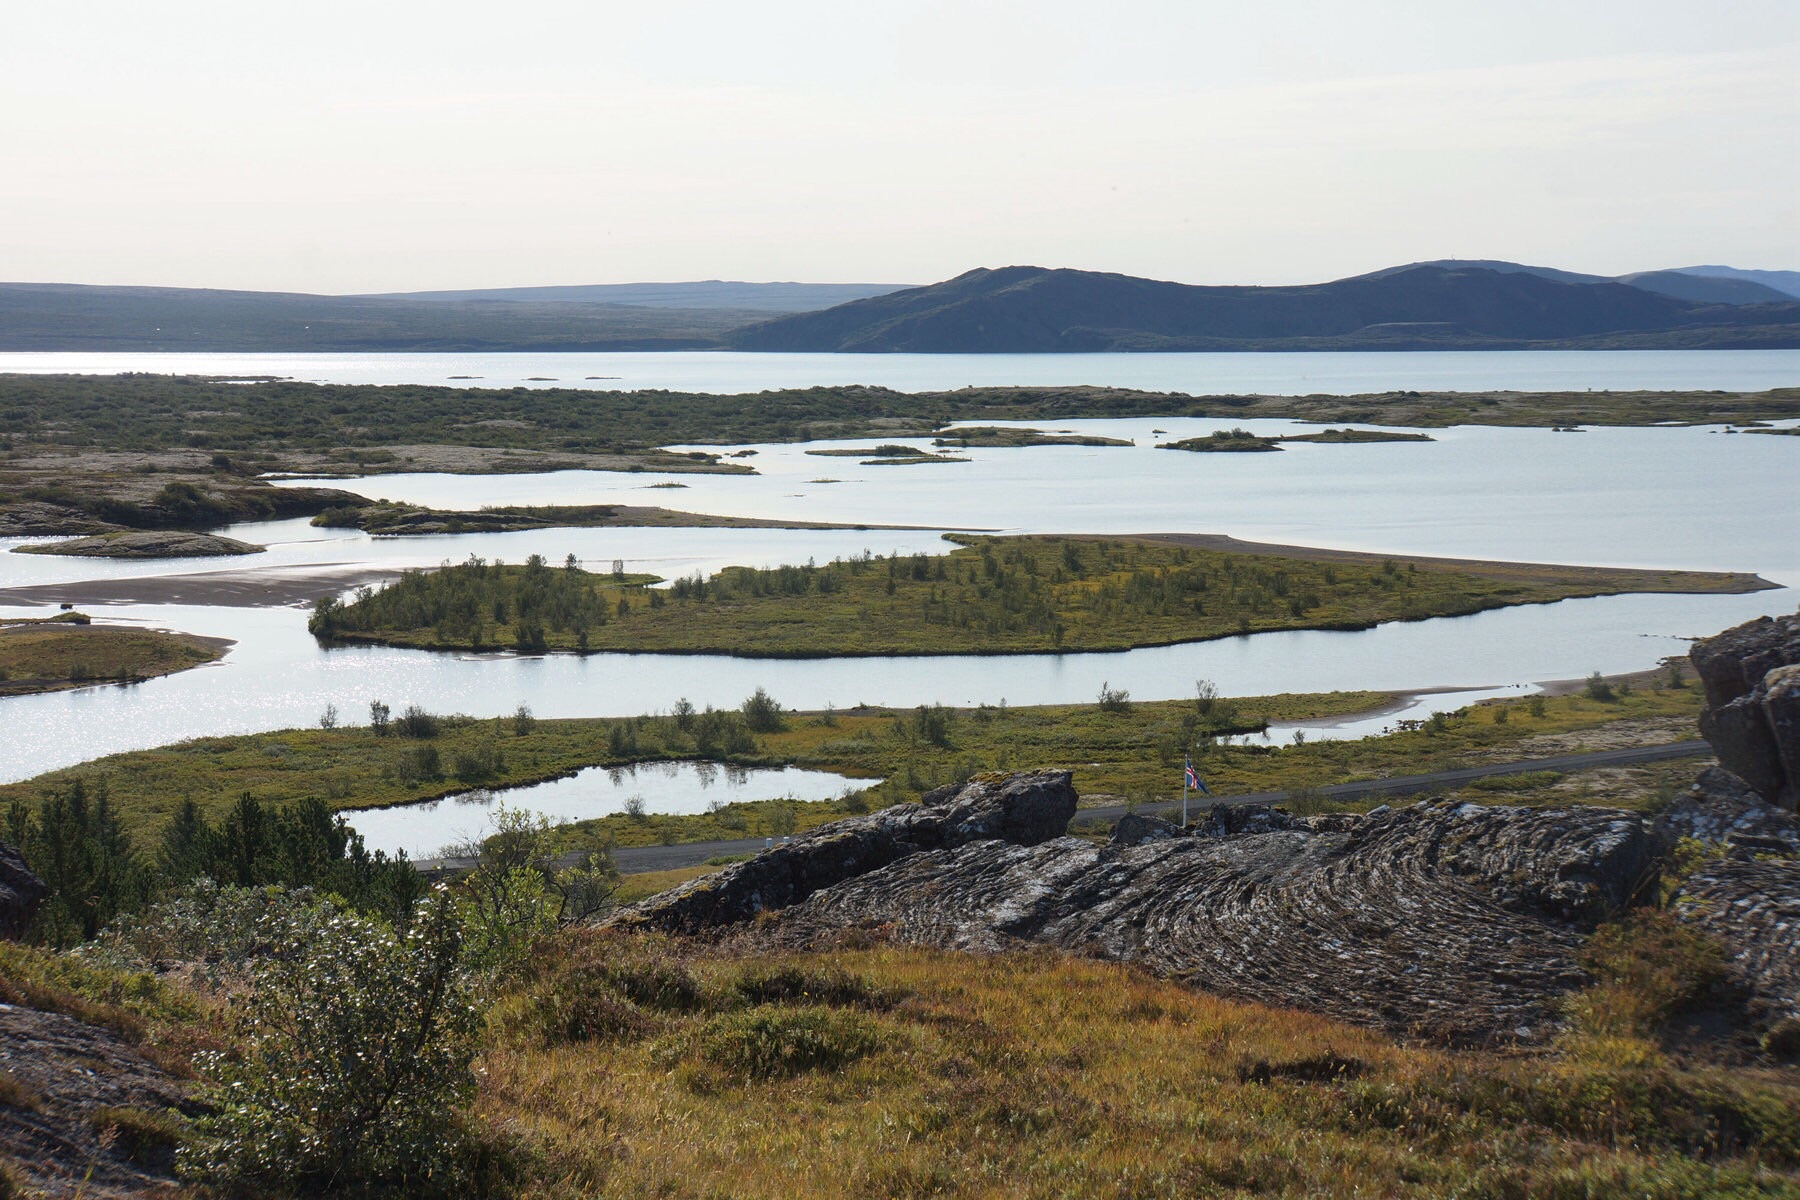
<point x="1017" y="595"/>
<point x="84" y="454"/>
<point x="1134" y="755"/>
<point x="1011" y="436"/>
<point x="1238" y="439"/>
<point x="50" y="656"/>
<point x="391" y="519"/>
<point x="83" y="847"/>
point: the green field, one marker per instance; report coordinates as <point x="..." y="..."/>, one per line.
<point x="1017" y="595"/>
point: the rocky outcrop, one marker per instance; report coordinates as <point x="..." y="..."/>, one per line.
<point x="1752" y="715"/>
<point x="72" y="1083"/>
<point x="20" y="893"/>
<point x="147" y="543"/>
<point x="1720" y="807"/>
<point x="1022" y="809"/>
<point x="1752" y="905"/>
<point x="1459" y="921"/>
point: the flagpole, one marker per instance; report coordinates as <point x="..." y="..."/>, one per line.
<point x="1187" y="769"/>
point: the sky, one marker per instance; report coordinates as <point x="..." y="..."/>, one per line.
<point x="390" y="145"/>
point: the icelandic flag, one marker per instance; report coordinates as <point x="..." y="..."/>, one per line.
<point x="1193" y="778"/>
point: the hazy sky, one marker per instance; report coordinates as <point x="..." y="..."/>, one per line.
<point x="385" y="145"/>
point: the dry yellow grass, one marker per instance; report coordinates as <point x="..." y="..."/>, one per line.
<point x="1038" y="1075"/>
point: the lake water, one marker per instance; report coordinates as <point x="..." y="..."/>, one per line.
<point x="728" y="371"/>
<point x="1670" y="497"/>
<point x="425" y="830"/>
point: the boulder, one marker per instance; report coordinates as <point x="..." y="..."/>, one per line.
<point x="1733" y="663"/>
<point x="1021" y="809"/>
<point x="20" y="893"/>
<point x="1752" y="715"/>
<point x="1720" y="807"/>
<point x="1134" y="828"/>
<point x="1752" y="905"/>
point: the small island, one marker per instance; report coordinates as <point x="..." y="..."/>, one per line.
<point x="992" y="595"/>
<point x="146" y="543"/>
<point x="396" y="520"/>
<point x="992" y="436"/>
<point x="1237" y="440"/>
<point x="53" y="654"/>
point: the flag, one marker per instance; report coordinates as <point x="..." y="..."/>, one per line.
<point x="1193" y="778"/>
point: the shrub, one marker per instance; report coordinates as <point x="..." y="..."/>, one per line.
<point x="357" y="1052"/>
<point x="1114" y="700"/>
<point x="762" y="714"/>
<point x="1596" y="688"/>
<point x="415" y="722"/>
<point x="770" y="1041"/>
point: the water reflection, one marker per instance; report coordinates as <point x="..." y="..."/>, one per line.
<point x="424" y="830"/>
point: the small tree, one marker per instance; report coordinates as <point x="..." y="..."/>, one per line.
<point x="762" y="714"/>
<point x="358" y="1041"/>
<point x="1114" y="700"/>
<point x="329" y="718"/>
<point x="378" y="717"/>
<point x="522" y="721"/>
<point x="1597" y="688"/>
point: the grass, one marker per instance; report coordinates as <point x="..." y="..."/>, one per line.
<point x="1238" y="439"/>
<point x="53" y="657"/>
<point x="1131" y="755"/>
<point x="991" y="595"/>
<point x="158" y="1016"/>
<point x="882" y="1070"/>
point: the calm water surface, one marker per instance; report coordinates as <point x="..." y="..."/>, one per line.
<point x="725" y="371"/>
<point x="1678" y="498"/>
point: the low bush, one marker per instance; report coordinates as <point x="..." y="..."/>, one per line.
<point x="771" y="1040"/>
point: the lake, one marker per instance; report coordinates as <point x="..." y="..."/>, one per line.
<point x="1692" y="498"/>
<point x="1335" y="373"/>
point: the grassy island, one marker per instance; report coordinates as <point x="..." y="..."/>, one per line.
<point x="68" y="652"/>
<point x="1238" y="439"/>
<point x="992" y="595"/>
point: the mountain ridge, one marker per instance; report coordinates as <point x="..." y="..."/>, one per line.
<point x="1027" y="309"/>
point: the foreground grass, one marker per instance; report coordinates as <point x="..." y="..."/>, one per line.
<point x="992" y="595"/>
<point x="50" y="657"/>
<point x="643" y="1068"/>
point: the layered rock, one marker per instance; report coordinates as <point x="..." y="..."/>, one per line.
<point x="1751" y="903"/>
<point x="1021" y="809"/>
<point x="1460" y="921"/>
<point x="1751" y="674"/>
<point x="1720" y="807"/>
<point x="20" y="893"/>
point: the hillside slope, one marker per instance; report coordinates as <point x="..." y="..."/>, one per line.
<point x="1033" y="309"/>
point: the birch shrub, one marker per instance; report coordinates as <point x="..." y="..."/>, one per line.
<point x="356" y="1063"/>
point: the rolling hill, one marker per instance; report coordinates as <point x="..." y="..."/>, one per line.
<point x="1034" y="309"/>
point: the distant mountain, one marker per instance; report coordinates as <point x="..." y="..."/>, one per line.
<point x="1491" y="264"/>
<point x="49" y="316"/>
<point x="1706" y="289"/>
<point x="1034" y="309"/>
<point x="711" y="293"/>
<point x="1785" y="282"/>
<point x="1684" y="284"/>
